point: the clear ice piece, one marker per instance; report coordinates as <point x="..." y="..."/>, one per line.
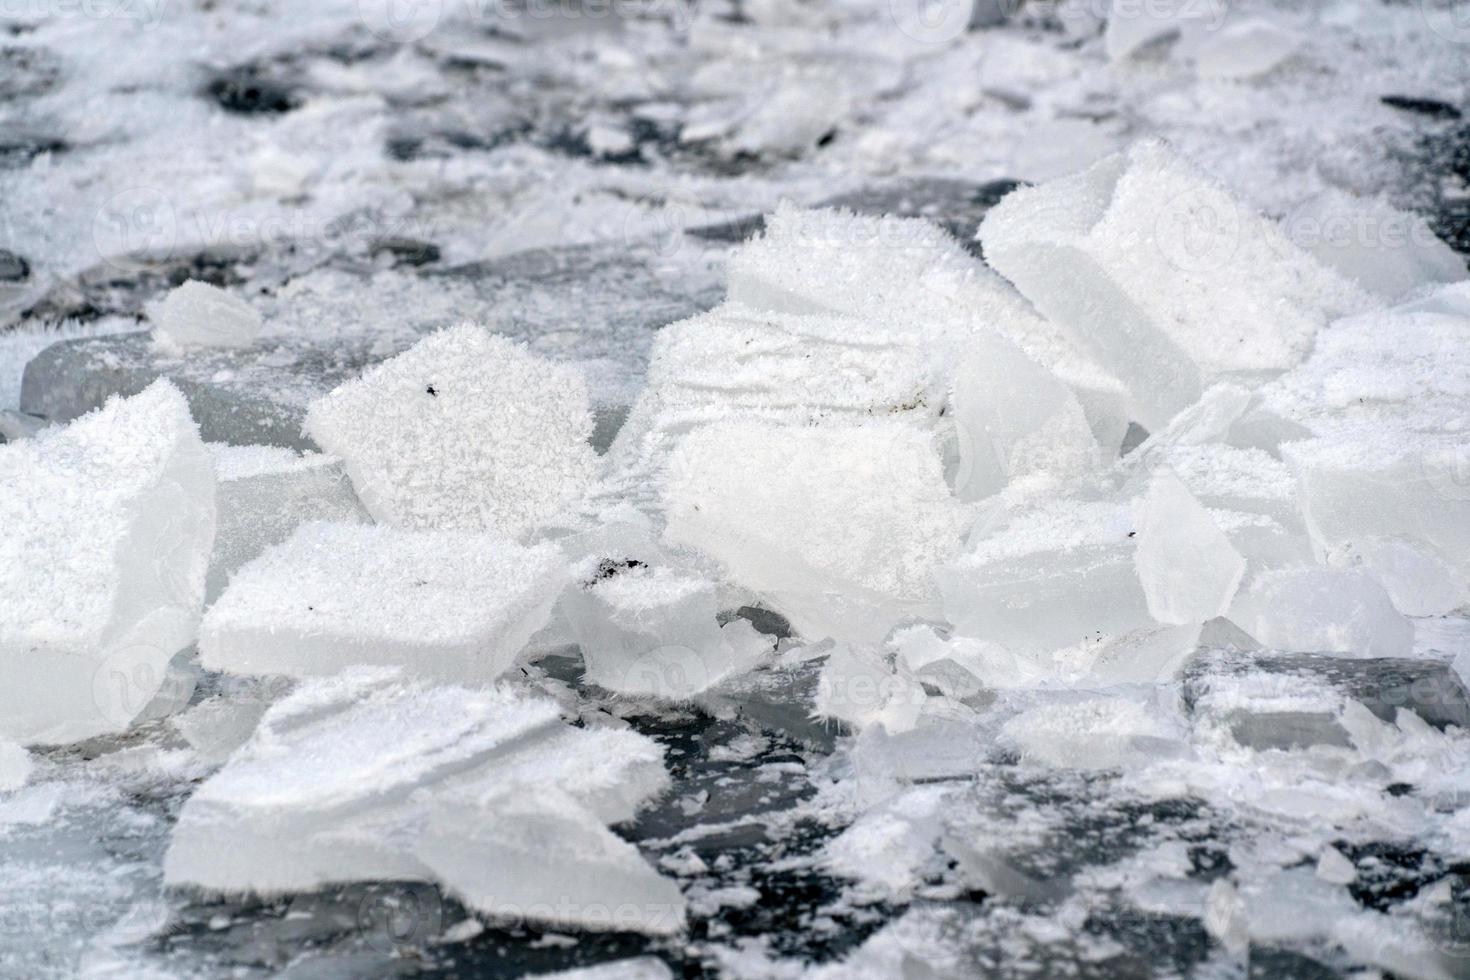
<point x="1187" y="566"/>
<point x="1310" y="609"/>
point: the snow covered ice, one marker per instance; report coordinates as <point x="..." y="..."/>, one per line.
<point x="735" y="489"/>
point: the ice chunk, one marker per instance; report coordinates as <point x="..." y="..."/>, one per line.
<point x="1133" y="26"/>
<point x="344" y="778"/>
<point x="108" y="526"/>
<point x="1187" y="566"/>
<point x="452" y="605"/>
<point x="1094" y="733"/>
<point x="1049" y="577"/>
<point x="1419" y="582"/>
<point x="1243" y="49"/>
<point x="15" y="766"/>
<point x="914" y="279"/>
<point x="544" y="858"/>
<point x="197" y="314"/>
<point x="1137" y="255"/>
<point x="647" y="630"/>
<point x="464" y="430"/>
<point x="860" y="687"/>
<point x="839" y="527"/>
<point x="217" y="726"/>
<point x="15" y="426"/>
<point x="1384" y="250"/>
<point x="1322" y="609"/>
<point x="638" y="968"/>
<point x="265" y="493"/>
<point x="1014" y="419"/>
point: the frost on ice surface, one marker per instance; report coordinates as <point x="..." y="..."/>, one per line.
<point x="197" y="314"/>
<point x="465" y="430"/>
<point x="452" y="605"/>
<point x="363" y="777"/>
<point x="839" y="527"/>
<point x="109" y="523"/>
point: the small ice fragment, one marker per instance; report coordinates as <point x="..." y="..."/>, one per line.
<point x="15" y="766"/>
<point x="840" y="527"/>
<point x="265" y="493"/>
<point x="451" y="605"/>
<point x="637" y="968"/>
<point x="1386" y="251"/>
<point x="197" y="314"/>
<point x="464" y="430"/>
<point x="1243" y="49"/>
<point x="859" y="687"/>
<point x="1311" y="610"/>
<point x="544" y="858"/>
<point x="1014" y="419"/>
<point x="652" y="631"/>
<point x="1335" y="869"/>
<point x="1133" y="26"/>
<point x="1094" y="733"/>
<point x="1186" y="564"/>
<point x="1136" y="256"/>
<point x="108" y="526"/>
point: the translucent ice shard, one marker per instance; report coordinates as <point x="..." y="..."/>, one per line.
<point x="450" y="605"/>
<point x="860" y="687"/>
<point x="1384" y="250"/>
<point x="265" y="493"/>
<point x="362" y="777"/>
<point x="840" y="527"/>
<point x="109" y="523"/>
<point x="652" y="631"/>
<point x="464" y="430"/>
<point x="1187" y="565"/>
<point x="1136" y="256"/>
<point x="1323" y="609"/>
<point x="197" y="314"/>
<point x="15" y="766"/>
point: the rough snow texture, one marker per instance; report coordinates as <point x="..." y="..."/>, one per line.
<point x="465" y="430"/>
<point x="363" y="777"/>
<point x="197" y="314"/>
<point x="1136" y="257"/>
<point x="452" y="605"/>
<point x="108" y="527"/>
<point x="839" y="527"/>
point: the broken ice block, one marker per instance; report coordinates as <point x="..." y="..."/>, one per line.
<point x="362" y="777"/>
<point x="1014" y="419"/>
<point x="1058" y="574"/>
<point x="1095" y="733"/>
<point x="652" y="631"/>
<point x="1309" y="609"/>
<point x="15" y="766"/>
<point x="108" y="526"/>
<point x="197" y="314"/>
<point x="1137" y="255"/>
<point x="265" y="493"/>
<point x="1384" y="250"/>
<point x="542" y="857"/>
<point x="860" y="687"/>
<point x="1187" y="566"/>
<point x="841" y="527"/>
<point x="452" y="605"/>
<point x="1243" y="49"/>
<point x="1419" y="582"/>
<point x="465" y="430"/>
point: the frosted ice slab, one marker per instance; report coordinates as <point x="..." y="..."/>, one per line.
<point x="653" y="631"/>
<point x="839" y="527"/>
<point x="197" y="314"/>
<point x="109" y="523"/>
<point x="450" y="605"/>
<point x="1309" y="609"/>
<point x="465" y="430"/>
<point x="364" y="777"/>
<point x="266" y="492"/>
<point x="1136" y="256"/>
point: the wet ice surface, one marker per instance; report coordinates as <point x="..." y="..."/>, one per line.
<point x="1178" y="794"/>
